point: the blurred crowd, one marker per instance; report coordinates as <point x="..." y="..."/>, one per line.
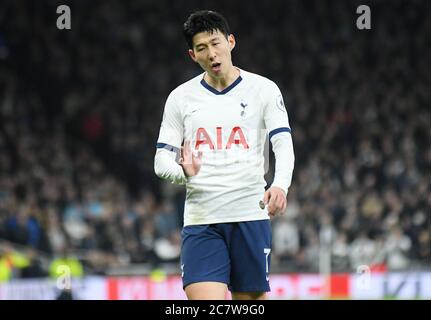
<point x="80" y="111"/>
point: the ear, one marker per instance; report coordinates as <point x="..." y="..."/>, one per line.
<point x="192" y="55"/>
<point x="232" y="42"/>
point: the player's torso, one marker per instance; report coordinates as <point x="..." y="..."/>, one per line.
<point x="224" y="122"/>
<point x="229" y="130"/>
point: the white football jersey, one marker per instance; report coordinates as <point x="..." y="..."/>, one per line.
<point x="230" y="128"/>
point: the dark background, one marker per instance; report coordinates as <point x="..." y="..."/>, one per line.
<point x="80" y="111"/>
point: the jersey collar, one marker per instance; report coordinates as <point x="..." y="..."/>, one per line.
<point x="225" y="90"/>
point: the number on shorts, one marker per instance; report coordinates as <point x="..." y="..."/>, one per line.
<point x="267" y="251"/>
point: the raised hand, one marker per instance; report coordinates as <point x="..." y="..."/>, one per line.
<point x="190" y="163"/>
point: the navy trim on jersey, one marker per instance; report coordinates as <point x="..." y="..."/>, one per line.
<point x="278" y="130"/>
<point x="225" y="90"/>
<point x="167" y="147"/>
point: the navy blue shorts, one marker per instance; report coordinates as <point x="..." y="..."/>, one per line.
<point x="237" y="254"/>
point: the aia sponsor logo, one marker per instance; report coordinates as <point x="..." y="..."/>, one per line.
<point x="236" y="137"/>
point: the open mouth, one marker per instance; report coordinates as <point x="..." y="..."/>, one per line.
<point x="216" y="67"/>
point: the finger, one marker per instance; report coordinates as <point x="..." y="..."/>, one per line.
<point x="272" y="200"/>
<point x="280" y="205"/>
<point x="271" y="213"/>
<point x="181" y="153"/>
<point x="272" y="207"/>
<point x="267" y="201"/>
<point x="188" y="147"/>
<point x="187" y="155"/>
<point x="280" y="202"/>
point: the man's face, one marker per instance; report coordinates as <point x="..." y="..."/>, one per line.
<point x="213" y="52"/>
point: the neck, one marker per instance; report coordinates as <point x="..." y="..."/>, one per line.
<point x="224" y="81"/>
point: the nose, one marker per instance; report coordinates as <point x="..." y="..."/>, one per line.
<point x="211" y="54"/>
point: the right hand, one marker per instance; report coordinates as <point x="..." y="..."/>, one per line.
<point x="190" y="163"/>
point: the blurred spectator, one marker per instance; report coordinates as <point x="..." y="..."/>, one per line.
<point x="66" y="264"/>
<point x="397" y="247"/>
<point x="340" y="254"/>
<point x="11" y="263"/>
<point x="35" y="268"/>
<point x="165" y="220"/>
<point x="285" y="240"/>
<point x="423" y="249"/>
<point x="168" y="249"/>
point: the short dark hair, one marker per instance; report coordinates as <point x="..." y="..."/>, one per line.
<point x="204" y="20"/>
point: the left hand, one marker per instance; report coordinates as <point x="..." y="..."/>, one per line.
<point x="276" y="200"/>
